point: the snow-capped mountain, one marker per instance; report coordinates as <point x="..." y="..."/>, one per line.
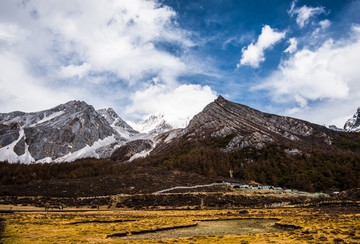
<point x="151" y="134"/>
<point x="157" y="123"/>
<point x="154" y="124"/>
<point x="64" y="133"/>
<point x="353" y="124"/>
<point x="119" y="125"/>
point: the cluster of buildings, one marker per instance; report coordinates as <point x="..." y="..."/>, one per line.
<point x="251" y="187"/>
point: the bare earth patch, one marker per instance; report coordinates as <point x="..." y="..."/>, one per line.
<point x="218" y="227"/>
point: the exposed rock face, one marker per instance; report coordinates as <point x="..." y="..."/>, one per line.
<point x="117" y="123"/>
<point x="8" y="133"/>
<point x="335" y="128"/>
<point x="19" y="148"/>
<point x="353" y="124"/>
<point x="250" y="127"/>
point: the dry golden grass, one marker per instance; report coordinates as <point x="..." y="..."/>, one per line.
<point x="318" y="225"/>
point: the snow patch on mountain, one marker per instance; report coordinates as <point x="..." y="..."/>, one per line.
<point x="7" y="153"/>
<point x="50" y="117"/>
<point x="353" y="124"/>
<point x="141" y="154"/>
<point x="89" y="151"/>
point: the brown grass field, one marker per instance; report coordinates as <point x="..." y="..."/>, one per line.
<point x="330" y="224"/>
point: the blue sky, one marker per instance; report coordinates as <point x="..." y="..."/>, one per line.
<point x="295" y="58"/>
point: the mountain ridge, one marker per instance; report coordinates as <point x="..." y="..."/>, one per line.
<point x="75" y="130"/>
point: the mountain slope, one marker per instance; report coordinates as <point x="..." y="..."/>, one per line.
<point x="247" y="127"/>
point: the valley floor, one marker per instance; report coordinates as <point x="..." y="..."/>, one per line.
<point x="332" y="224"/>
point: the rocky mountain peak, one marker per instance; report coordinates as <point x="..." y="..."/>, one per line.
<point x="248" y="126"/>
<point x="73" y="105"/>
<point x="118" y="124"/>
<point x="220" y="100"/>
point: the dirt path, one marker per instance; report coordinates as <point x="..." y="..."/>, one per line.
<point x="219" y="227"/>
<point x="189" y="187"/>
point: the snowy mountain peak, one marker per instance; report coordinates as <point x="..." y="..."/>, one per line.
<point x="159" y="123"/>
<point x="353" y="124"/>
<point x="154" y="124"/>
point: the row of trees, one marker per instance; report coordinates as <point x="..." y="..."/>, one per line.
<point x="18" y="173"/>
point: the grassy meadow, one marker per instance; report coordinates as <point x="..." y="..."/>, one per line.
<point x="332" y="224"/>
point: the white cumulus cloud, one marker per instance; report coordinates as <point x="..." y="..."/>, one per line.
<point x="177" y="104"/>
<point x="292" y="47"/>
<point x="253" y="54"/>
<point x="304" y="13"/>
<point x="326" y="76"/>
